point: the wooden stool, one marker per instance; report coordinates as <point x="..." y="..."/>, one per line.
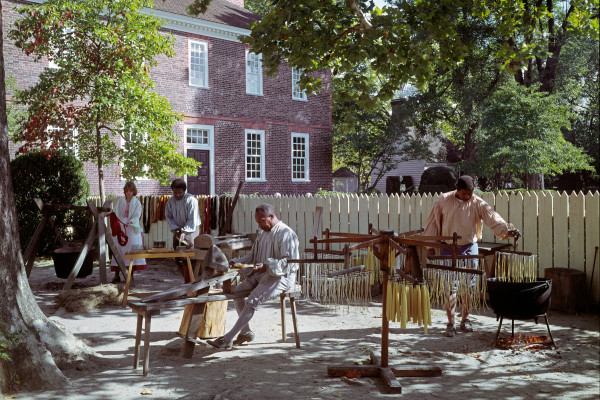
<point x="292" y="293"/>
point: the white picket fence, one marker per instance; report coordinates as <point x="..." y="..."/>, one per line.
<point x="563" y="230"/>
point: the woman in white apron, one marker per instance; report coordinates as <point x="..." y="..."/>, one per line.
<point x="128" y="210"/>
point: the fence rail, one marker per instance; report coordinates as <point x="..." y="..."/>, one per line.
<point x="563" y="230"/>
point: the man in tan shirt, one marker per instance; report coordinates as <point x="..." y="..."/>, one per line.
<point x="463" y="212"/>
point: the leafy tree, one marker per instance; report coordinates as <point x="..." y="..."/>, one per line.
<point x="522" y="134"/>
<point x="403" y="42"/>
<point x="100" y="89"/>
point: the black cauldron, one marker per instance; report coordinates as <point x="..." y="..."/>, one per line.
<point x="519" y="300"/>
<point x="65" y="258"/>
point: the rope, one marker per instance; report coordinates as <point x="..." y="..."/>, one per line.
<point x="117" y="230"/>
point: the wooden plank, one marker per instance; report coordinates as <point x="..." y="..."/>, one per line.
<point x="576" y="232"/>
<point x="363" y="216"/>
<point x="86" y="247"/>
<point x="353" y="215"/>
<point x="530" y="225"/>
<point x="416" y="370"/>
<point x="51" y="224"/>
<point x="545" y="239"/>
<point x="374" y="212"/>
<point x="335" y="218"/>
<point x="394" y="207"/>
<point x="300" y="222"/>
<point x="390" y="380"/>
<point x="309" y="221"/>
<point x="415" y="212"/>
<point x="404" y="211"/>
<point x="325" y="202"/>
<point x="561" y="232"/>
<point x="426" y="206"/>
<point x="345" y="213"/>
<point x="356" y="371"/>
<point x="30" y="252"/>
<point x="592" y="242"/>
<point x="192" y="330"/>
<point x="516" y="214"/>
<point x="488" y="235"/>
<point x="502" y="206"/>
<point x="383" y="212"/>
<point x="188" y="288"/>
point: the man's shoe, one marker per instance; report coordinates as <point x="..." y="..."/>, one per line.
<point x="243" y="338"/>
<point x="220" y="343"/>
<point x="450" y="331"/>
<point x="465" y="326"/>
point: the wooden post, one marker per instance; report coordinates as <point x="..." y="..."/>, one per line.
<point x="86" y="247"/>
<point x="51" y="224"/>
<point x="30" y="252"/>
<point x="223" y="228"/>
<point x="102" y="242"/>
<point x="384" y="250"/>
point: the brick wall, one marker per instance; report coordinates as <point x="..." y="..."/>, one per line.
<point x="225" y="106"/>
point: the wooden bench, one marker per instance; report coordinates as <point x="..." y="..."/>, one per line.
<point x="147" y="308"/>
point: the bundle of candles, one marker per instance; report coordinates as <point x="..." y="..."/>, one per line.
<point x="352" y="288"/>
<point x="516" y="267"/>
<point x="406" y="301"/>
<point x="442" y="283"/>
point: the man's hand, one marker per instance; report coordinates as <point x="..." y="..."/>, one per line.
<point x="260" y="267"/>
<point x="514" y="233"/>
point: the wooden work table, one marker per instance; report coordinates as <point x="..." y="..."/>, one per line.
<point x="155" y="254"/>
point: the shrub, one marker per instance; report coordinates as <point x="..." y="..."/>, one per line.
<point x="59" y="178"/>
<point x="438" y="179"/>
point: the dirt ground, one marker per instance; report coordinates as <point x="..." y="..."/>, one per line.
<point x="270" y="369"/>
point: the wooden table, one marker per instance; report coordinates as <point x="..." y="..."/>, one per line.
<point x="154" y="254"/>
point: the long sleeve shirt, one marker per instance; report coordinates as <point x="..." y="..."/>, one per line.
<point x="135" y="212"/>
<point x="450" y="215"/>
<point x="273" y="248"/>
<point x="183" y="214"/>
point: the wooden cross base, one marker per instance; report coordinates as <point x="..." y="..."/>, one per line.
<point x="387" y="373"/>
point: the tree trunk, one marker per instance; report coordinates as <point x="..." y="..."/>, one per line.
<point x="100" y="166"/>
<point x="536" y="182"/>
<point x="35" y="358"/>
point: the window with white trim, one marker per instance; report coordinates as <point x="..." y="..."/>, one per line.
<point x="255" y="155"/>
<point x="297" y="92"/>
<point x="198" y="62"/>
<point x="197" y="136"/>
<point x="253" y="73"/>
<point x="67" y="35"/>
<point x="300" y="157"/>
<point x="69" y="140"/>
<point x="134" y="138"/>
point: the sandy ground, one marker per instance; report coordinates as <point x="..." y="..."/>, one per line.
<point x="270" y="369"/>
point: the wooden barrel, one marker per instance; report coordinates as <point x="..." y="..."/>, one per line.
<point x="568" y="289"/>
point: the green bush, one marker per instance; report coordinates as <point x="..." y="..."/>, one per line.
<point x="59" y="178"/>
<point x="438" y="179"/>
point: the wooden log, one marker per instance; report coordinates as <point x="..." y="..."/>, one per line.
<point x="345" y="271"/>
<point x="213" y="320"/>
<point x="568" y="289"/>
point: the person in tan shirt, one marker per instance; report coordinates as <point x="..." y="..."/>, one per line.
<point x="463" y="212"/>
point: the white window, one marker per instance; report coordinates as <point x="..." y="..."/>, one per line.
<point x="198" y="136"/>
<point x="253" y="73"/>
<point x="67" y="35"/>
<point x="69" y="139"/>
<point x="255" y="155"/>
<point x="297" y="93"/>
<point x="198" y="53"/>
<point x="300" y="157"/>
<point x="132" y="139"/>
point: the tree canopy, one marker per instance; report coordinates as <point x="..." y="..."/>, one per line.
<point x="99" y="93"/>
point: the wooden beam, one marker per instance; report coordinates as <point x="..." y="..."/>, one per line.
<point x="30" y="252"/>
<point x="51" y="224"/>
<point x="86" y="247"/>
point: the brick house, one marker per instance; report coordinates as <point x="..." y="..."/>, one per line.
<point x="240" y="123"/>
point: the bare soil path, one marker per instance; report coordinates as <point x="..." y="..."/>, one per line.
<point x="270" y="369"/>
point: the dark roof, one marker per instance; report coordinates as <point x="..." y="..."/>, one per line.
<point x="344" y="173"/>
<point x="219" y="11"/>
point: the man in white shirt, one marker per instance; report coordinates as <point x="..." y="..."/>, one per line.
<point x="181" y="212"/>
<point x="463" y="212"/>
<point x="272" y="275"/>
